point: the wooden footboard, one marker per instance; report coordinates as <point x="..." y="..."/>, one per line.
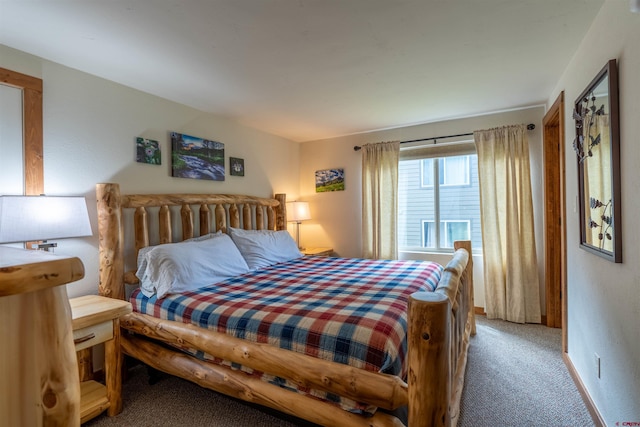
<point x="387" y="390"/>
<point x="440" y="324"/>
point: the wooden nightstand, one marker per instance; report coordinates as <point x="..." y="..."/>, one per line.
<point x="318" y="251"/>
<point x="95" y="320"/>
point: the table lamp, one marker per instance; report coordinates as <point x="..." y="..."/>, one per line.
<point x="42" y="218"/>
<point x="298" y="212"/>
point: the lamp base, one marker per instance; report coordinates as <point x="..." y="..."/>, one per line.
<point x="300" y="248"/>
<point x="44" y="246"/>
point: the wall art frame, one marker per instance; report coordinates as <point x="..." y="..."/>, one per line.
<point x="597" y="147"/>
<point x="236" y="166"/>
<point x="148" y="151"/>
<point x="329" y="180"/>
<point x="196" y="158"/>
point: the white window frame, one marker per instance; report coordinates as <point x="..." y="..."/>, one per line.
<point x="408" y="238"/>
<point x="423" y="174"/>
<point x="441" y="162"/>
<point x="447" y="243"/>
<point x="467" y="172"/>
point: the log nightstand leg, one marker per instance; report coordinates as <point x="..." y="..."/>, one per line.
<point x="113" y="371"/>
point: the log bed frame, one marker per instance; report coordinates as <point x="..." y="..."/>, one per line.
<point x="439" y="323"/>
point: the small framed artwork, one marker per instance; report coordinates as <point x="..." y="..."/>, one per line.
<point x="148" y="151"/>
<point x="196" y="158"/>
<point x="236" y="166"/>
<point x="329" y="180"/>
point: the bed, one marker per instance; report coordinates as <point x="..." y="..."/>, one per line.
<point x="423" y="362"/>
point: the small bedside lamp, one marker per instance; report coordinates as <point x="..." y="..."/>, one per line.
<point x="42" y="218"/>
<point x="298" y="212"/>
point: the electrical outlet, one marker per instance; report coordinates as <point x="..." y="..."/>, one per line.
<point x="597" y="360"/>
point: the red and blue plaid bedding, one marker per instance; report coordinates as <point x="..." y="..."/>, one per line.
<point x="351" y="311"/>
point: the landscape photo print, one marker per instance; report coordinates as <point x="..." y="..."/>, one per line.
<point x="329" y="180"/>
<point x="196" y="158"/>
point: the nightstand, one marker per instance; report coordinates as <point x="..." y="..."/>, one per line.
<point x="96" y="320"/>
<point x="317" y="251"/>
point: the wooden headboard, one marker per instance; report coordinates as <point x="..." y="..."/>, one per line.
<point x="237" y="211"/>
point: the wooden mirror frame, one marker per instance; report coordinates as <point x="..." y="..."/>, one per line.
<point x="609" y="222"/>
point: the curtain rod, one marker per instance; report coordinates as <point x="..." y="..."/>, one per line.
<point x="530" y="126"/>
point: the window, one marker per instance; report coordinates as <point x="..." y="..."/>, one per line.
<point x="451" y="171"/>
<point x="450" y="231"/>
<point x="432" y="217"/>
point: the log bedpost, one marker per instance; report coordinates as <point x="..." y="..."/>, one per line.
<point x="110" y="236"/>
<point x="466" y="245"/>
<point x="281" y="211"/>
<point x="428" y="376"/>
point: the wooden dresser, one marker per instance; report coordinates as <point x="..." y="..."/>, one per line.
<point x="38" y="367"/>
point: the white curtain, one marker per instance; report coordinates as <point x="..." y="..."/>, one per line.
<point x="380" y="199"/>
<point x="509" y="251"/>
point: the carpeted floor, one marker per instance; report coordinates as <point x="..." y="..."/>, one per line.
<point x="515" y="377"/>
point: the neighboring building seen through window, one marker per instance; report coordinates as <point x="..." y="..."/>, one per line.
<point x="439" y="202"/>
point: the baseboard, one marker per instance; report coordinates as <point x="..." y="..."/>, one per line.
<point x="591" y="407"/>
<point x="479" y="311"/>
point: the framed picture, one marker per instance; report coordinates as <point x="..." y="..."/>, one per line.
<point x="196" y="158"/>
<point x="148" y="151"/>
<point x="329" y="180"/>
<point x="236" y="166"/>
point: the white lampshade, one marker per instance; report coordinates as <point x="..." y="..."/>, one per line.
<point x="35" y="218"/>
<point x="298" y="211"/>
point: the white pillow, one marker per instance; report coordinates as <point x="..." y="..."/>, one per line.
<point x="187" y="266"/>
<point x="262" y="248"/>
<point x="141" y="262"/>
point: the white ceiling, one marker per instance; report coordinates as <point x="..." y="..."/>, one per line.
<point x="312" y="69"/>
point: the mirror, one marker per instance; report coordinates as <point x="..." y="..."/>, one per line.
<point x="597" y="147"/>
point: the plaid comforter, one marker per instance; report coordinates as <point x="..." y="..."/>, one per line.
<point x="351" y="311"/>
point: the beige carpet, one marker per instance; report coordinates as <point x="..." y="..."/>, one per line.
<point x="515" y="377"/>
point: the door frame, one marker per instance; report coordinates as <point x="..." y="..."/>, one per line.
<point x="555" y="217"/>
<point x="32" y="128"/>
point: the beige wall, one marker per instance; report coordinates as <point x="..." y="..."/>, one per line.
<point x="336" y="217"/>
<point x="90" y="126"/>
<point x="603" y="297"/>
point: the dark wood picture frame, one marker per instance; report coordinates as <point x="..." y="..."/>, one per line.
<point x="598" y="155"/>
<point x="236" y="166"/>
